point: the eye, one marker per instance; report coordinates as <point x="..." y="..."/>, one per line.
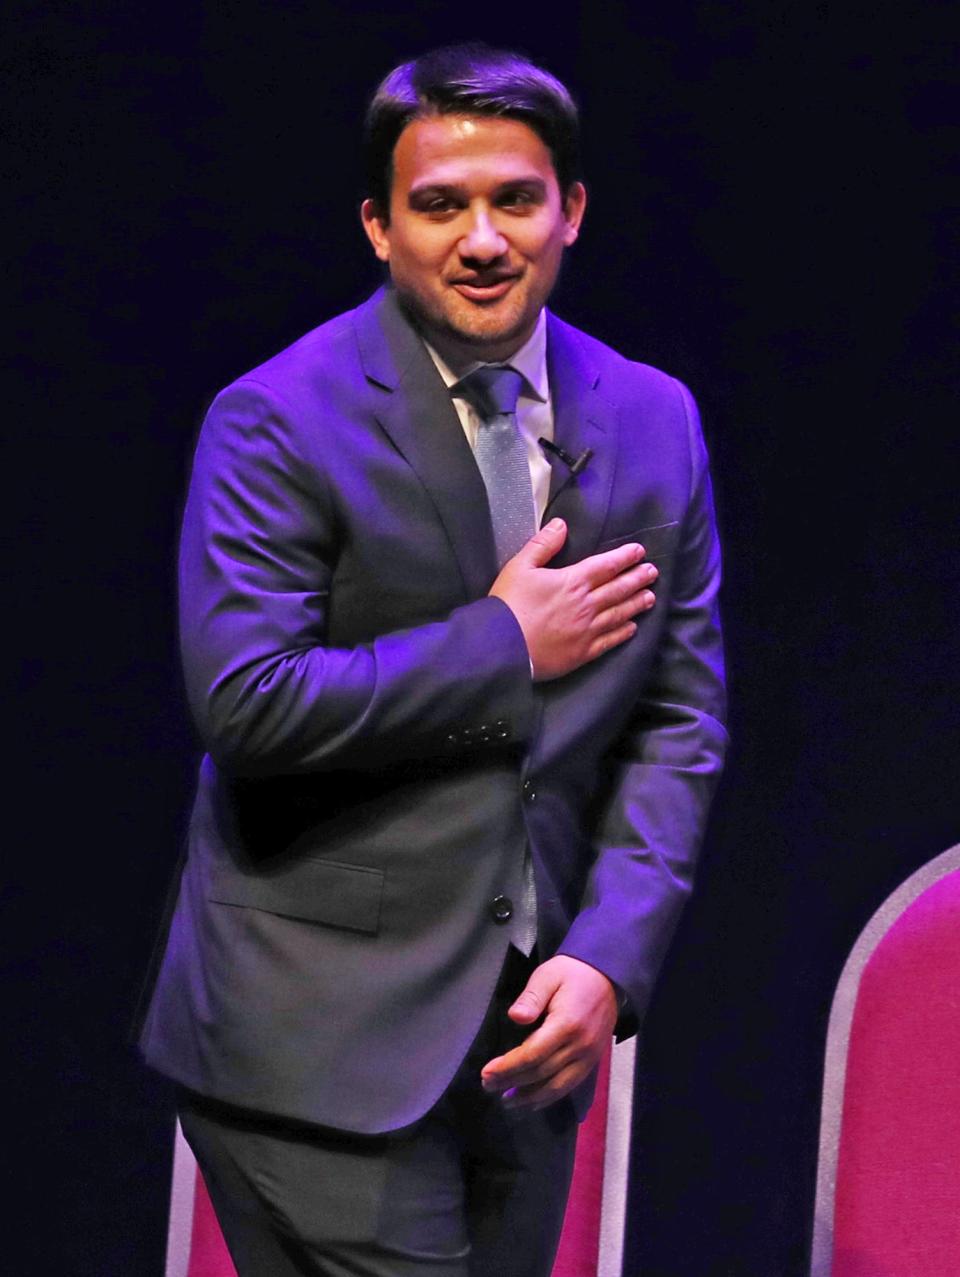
<point x="438" y="205"/>
<point x="519" y="199"/>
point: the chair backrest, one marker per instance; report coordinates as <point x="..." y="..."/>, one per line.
<point x="888" y="1186"/>
<point x="591" y="1244"/>
<point x="195" y="1245"/>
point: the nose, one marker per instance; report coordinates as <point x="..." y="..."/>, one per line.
<point x="482" y="241"/>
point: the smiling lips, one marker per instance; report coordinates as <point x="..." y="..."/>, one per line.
<point x="485" y="290"/>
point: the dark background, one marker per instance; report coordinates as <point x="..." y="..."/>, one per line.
<point x="769" y="222"/>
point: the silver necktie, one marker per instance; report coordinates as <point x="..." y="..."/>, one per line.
<point x="501" y="457"/>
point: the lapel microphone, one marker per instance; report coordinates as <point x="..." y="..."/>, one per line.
<point x="576" y="465"/>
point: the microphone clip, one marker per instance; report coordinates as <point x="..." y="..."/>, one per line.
<point x="576" y="465"/>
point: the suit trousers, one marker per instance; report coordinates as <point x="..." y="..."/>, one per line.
<point x="470" y="1190"/>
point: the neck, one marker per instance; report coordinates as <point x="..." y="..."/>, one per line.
<point x="459" y="355"/>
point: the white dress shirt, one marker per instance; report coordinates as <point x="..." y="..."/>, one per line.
<point x="534" y="421"/>
<point x="534" y="409"/>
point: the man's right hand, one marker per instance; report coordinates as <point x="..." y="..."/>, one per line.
<point x="570" y="616"/>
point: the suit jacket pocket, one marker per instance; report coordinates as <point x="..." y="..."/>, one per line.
<point x="312" y="890"/>
<point x="658" y="541"/>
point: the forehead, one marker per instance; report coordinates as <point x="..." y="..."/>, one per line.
<point x="459" y="150"/>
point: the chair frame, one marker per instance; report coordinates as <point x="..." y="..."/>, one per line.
<point x="838" y="1042"/>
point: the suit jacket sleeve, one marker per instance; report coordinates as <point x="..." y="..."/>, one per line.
<point x="663" y="771"/>
<point x="258" y="551"/>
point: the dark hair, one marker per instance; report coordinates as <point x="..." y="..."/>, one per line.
<point x="469" y="79"/>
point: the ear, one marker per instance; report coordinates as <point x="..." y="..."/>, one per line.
<point x="376" y="229"/>
<point x="574" y="206"/>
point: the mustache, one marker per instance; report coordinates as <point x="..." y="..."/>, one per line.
<point x="483" y="279"/>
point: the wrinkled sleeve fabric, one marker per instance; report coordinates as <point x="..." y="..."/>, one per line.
<point x="662" y="774"/>
<point x="258" y="551"/>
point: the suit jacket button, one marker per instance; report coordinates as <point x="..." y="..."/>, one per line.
<point x="501" y="909"/>
<point x="529" y="792"/>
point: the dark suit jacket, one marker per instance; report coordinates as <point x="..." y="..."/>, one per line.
<point x="378" y="754"/>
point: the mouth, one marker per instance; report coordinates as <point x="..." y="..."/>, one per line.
<point x="485" y="290"/>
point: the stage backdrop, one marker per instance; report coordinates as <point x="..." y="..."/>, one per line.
<point x="767" y="183"/>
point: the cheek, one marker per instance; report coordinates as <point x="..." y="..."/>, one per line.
<point x="544" y="243"/>
<point x="422" y="258"/>
<point x="545" y="256"/>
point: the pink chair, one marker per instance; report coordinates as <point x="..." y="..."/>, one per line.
<point x="592" y="1241"/>
<point x="888" y="1189"/>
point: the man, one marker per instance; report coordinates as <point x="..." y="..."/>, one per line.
<point x="458" y="767"/>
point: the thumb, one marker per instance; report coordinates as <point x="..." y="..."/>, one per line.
<point x="543" y="545"/>
<point x="535" y="998"/>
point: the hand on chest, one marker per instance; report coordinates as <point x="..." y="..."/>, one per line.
<point x="415" y="537"/>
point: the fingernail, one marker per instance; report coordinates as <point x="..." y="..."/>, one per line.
<point x="555" y="524"/>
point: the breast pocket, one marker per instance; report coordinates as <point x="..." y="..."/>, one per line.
<point x="659" y="541"/>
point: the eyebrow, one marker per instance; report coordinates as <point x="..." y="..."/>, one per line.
<point x="532" y="183"/>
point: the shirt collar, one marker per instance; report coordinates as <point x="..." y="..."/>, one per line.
<point x="530" y="360"/>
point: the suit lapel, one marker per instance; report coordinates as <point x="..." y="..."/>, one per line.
<point x="417" y="413"/>
<point x="583" y="419"/>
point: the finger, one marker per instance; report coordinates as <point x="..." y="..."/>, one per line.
<point x="529" y="1006"/>
<point x="600" y="568"/>
<point x="541" y="1094"/>
<point x="543" y="545"/>
<point x="535" y="1051"/>
<point x="614" y="617"/>
<point x="611" y="639"/>
<point x="516" y="1069"/>
<point x="538" y="1049"/>
<point x="629" y="582"/>
<point x="541" y="985"/>
<point x="542" y="1072"/>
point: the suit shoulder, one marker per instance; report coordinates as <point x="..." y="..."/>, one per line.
<point x="300" y="395"/>
<point x="620" y="377"/>
<point x="304" y="366"/>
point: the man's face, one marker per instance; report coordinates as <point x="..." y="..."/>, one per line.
<point x="476" y="232"/>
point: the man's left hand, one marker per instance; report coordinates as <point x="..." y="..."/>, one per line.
<point x="579" y="1008"/>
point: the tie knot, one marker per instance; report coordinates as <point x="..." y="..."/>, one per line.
<point x="493" y="389"/>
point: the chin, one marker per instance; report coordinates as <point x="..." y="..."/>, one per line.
<point x="481" y="332"/>
<point x="489" y="330"/>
